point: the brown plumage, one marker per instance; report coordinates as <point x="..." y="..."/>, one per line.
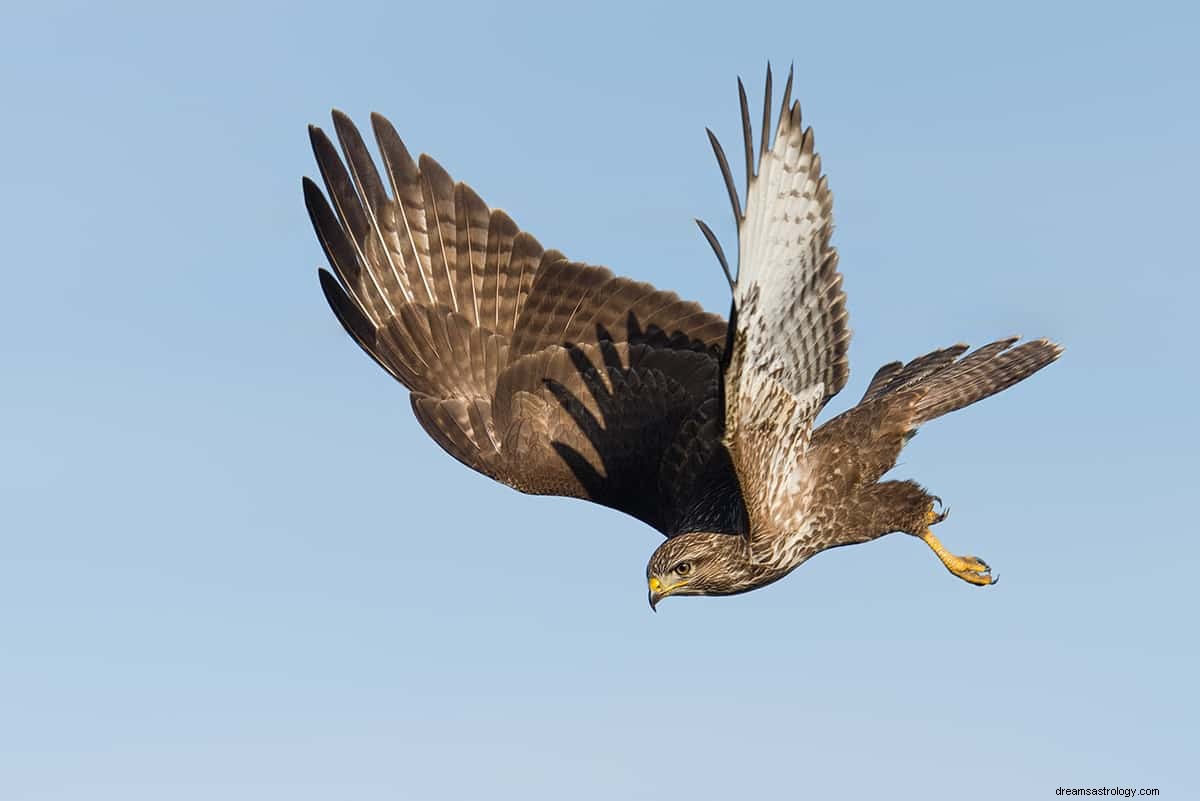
<point x="557" y="377"/>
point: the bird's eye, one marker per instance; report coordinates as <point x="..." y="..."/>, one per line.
<point x="683" y="568"/>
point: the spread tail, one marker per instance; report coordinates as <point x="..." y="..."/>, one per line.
<point x="950" y="383"/>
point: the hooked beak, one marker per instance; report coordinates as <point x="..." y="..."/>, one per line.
<point x="656" y="593"/>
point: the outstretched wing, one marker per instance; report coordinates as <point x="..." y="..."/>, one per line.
<point x="550" y="376"/>
<point x="790" y="334"/>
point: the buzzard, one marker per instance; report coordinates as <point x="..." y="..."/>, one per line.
<point x="557" y="377"/>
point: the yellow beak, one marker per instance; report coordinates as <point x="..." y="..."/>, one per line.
<point x="658" y="591"/>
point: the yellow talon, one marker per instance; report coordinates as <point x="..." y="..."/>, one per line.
<point x="968" y="568"/>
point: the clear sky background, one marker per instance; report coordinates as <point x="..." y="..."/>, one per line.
<point x="232" y="565"/>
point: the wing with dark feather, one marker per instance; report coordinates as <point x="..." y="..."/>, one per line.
<point x="790" y="332"/>
<point x="550" y="376"/>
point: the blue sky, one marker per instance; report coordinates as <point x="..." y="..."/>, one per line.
<point x="234" y="567"/>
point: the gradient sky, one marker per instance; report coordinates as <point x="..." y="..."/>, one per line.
<point x="232" y="566"/>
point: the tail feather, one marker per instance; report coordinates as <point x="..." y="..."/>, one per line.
<point x="895" y="376"/>
<point x="980" y="374"/>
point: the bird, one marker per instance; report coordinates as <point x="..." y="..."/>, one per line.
<point x="558" y="377"/>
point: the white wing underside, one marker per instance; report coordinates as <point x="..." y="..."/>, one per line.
<point x="789" y="349"/>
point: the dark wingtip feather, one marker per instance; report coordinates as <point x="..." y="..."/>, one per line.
<point x="401" y="167"/>
<point x="382" y="125"/>
<point x="338" y="249"/>
<point x="727" y="174"/>
<point x="747" y="133"/>
<point x="715" y="244"/>
<point x="766" y="119"/>
<point x="317" y="138"/>
<point x="346" y="131"/>
<point x="312" y="194"/>
<point x="347" y="311"/>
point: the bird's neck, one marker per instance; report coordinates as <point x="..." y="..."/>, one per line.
<point x="746" y="572"/>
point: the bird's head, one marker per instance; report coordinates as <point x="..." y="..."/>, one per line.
<point x="697" y="564"/>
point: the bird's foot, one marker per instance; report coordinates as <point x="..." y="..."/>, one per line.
<point x="971" y="569"/>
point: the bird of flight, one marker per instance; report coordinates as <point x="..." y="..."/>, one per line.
<point x="557" y="377"/>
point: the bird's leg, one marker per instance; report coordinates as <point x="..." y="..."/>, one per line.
<point x="968" y="568"/>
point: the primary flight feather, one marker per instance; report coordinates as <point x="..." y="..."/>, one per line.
<point x="559" y="378"/>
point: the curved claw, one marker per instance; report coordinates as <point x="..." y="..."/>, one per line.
<point x="932" y="518"/>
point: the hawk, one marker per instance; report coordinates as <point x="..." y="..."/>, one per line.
<point x="558" y="377"/>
